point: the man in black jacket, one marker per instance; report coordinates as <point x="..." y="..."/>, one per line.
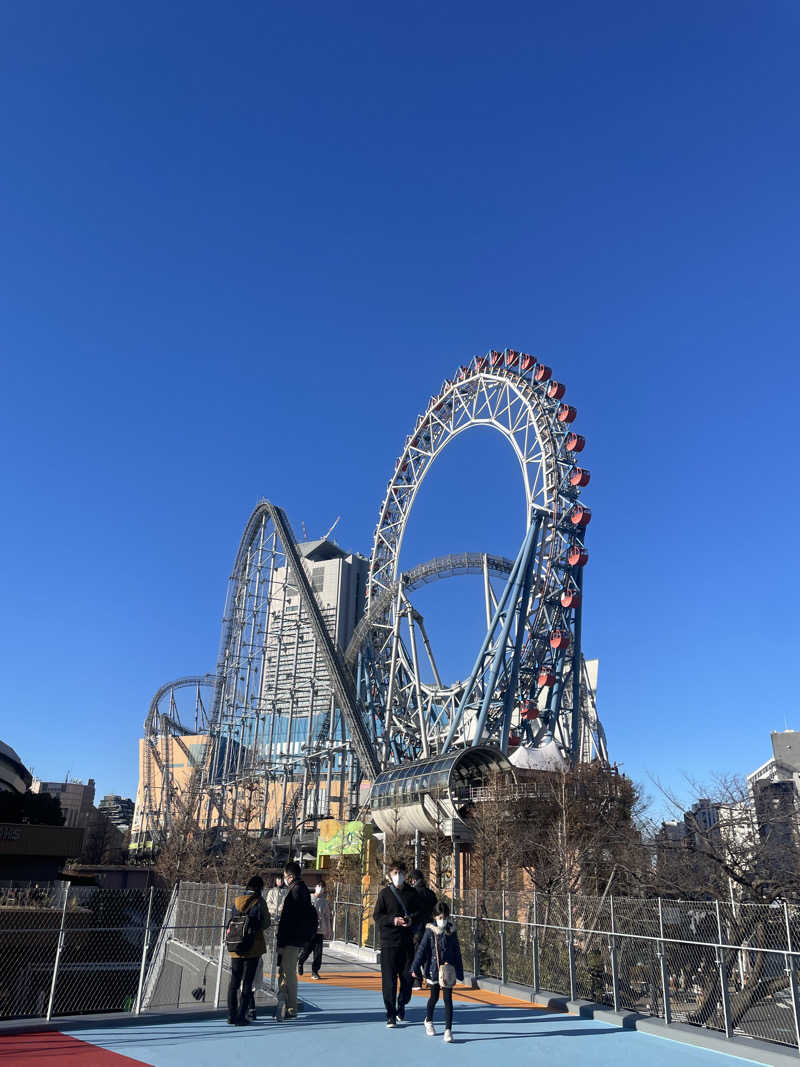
<point x="396" y="913"/>
<point x="427" y="902"/>
<point x="294" y="931"/>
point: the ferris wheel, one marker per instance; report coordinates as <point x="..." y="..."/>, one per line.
<point x="528" y="684"/>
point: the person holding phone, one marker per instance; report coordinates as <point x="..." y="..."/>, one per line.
<point x="396" y="914"/>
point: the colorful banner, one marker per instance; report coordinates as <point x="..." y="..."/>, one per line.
<point x="340" y="838"/>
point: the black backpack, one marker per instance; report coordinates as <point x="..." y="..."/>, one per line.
<point x="242" y="928"/>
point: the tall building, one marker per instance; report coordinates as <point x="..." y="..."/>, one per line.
<point x="77" y="799"/>
<point x="775" y="791"/>
<point x="296" y="687"/>
<point x="118" y="810"/>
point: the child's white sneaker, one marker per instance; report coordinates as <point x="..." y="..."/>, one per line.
<point x="429" y="1028"/>
<point x="448" y="1037"/>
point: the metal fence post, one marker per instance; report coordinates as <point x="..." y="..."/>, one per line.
<point x="535" y="945"/>
<point x="662" y="956"/>
<point x="612" y="944"/>
<point x="145" y="949"/>
<point x="503" y="960"/>
<point x="722" y="962"/>
<point x="59" y="946"/>
<point x="573" y="986"/>
<point x="792" y="973"/>
<point x="221" y="948"/>
<point x="347" y="923"/>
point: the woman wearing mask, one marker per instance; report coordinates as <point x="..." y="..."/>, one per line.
<point x="396" y="912"/>
<point x="324" y="931"/>
<point x="439" y="959"/>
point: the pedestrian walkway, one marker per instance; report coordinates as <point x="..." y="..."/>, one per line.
<point x="343" y="1025"/>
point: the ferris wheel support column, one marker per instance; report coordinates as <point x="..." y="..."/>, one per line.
<point x="522" y="576"/>
<point x="577" y="659"/>
<point x="476" y="670"/>
<point x="511" y="689"/>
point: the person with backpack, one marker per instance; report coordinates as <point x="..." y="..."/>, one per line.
<point x="324" y="931"/>
<point x="297" y="926"/>
<point x="439" y="959"/>
<point x="427" y="899"/>
<point x="396" y="911"/>
<point x="244" y="939"/>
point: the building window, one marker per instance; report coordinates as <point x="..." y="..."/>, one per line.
<point x="318" y="579"/>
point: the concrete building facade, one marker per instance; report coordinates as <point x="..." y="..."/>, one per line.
<point x="77" y="799"/>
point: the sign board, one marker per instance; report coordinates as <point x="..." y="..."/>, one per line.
<point x="340" y="838"/>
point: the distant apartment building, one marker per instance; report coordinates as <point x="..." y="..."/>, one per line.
<point x="77" y="799"/>
<point x="118" y="810"/>
<point x="775" y="791"/>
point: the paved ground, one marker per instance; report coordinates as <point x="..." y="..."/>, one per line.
<point x="343" y="1026"/>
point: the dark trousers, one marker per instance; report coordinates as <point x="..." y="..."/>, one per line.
<point x="314" y="946"/>
<point x="395" y="968"/>
<point x="447" y="997"/>
<point x="242" y="973"/>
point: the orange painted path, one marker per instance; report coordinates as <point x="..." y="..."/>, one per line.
<point x="371" y="980"/>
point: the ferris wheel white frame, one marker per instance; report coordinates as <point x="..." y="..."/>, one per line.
<point x="514" y="394"/>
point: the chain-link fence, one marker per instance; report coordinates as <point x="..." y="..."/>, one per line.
<point x="729" y="967"/>
<point x="74" y="950"/>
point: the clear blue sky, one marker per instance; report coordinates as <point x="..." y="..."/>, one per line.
<point x="241" y="246"/>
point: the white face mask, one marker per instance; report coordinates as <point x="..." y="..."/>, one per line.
<point x="398" y="879"/>
<point x="318" y="891"/>
<point x="441" y="923"/>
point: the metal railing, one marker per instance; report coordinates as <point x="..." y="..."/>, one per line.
<point x="71" y="950"/>
<point x="733" y="968"/>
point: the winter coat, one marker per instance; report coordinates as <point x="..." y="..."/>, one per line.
<point x="387" y="909"/>
<point x="427" y="899"/>
<point x="293" y="925"/>
<point x="324" y="924"/>
<point x="275" y="899"/>
<point x="446" y="943"/>
<point x="250" y="902"/>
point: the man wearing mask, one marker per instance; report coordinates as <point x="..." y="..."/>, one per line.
<point x="427" y="902"/>
<point x="396" y="913"/>
<point x="297" y="926"/>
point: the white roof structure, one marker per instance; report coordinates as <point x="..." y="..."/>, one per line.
<point x="547" y="757"/>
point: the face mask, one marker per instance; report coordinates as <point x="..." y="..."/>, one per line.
<point x="441" y="923"/>
<point x="318" y="891"/>
<point x="398" y="879"/>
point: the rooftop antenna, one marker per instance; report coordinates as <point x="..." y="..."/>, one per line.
<point x="327" y="535"/>
<point x="305" y="531"/>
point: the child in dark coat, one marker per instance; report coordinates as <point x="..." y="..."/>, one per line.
<point x="439" y="945"/>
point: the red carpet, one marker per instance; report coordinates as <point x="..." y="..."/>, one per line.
<point x="33" y="1050"/>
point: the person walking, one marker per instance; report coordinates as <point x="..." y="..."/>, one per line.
<point x="395" y="914"/>
<point x="297" y="926"/>
<point x="438" y="957"/>
<point x="246" y="944"/>
<point x="276" y="897"/>
<point x="324" y="931"/>
<point x="427" y="899"/>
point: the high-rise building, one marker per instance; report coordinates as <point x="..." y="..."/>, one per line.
<point x="296" y="685"/>
<point x="77" y="799"/>
<point x="118" y="810"/>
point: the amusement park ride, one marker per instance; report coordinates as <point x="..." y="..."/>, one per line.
<point x="303" y="723"/>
